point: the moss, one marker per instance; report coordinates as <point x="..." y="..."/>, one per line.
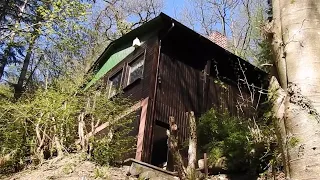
<point x="293" y="142"/>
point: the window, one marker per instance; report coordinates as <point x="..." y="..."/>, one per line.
<point x="135" y="69"/>
<point x="115" y="83"/>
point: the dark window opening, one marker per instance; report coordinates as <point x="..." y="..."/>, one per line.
<point x="135" y="70"/>
<point x="115" y="83"/>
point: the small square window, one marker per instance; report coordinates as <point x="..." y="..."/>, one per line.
<point x="135" y="69"/>
<point x="115" y="83"/>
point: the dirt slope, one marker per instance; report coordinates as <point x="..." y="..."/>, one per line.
<point x="71" y="167"/>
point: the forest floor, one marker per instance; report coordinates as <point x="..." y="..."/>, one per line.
<point x="71" y="167"/>
<point x="76" y="167"/>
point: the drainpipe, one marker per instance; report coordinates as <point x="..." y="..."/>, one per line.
<point x="156" y="86"/>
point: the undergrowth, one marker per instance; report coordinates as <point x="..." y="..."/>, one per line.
<point x="230" y="144"/>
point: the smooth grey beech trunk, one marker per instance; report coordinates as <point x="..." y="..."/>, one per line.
<point x="296" y="46"/>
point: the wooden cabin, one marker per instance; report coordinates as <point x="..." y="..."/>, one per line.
<point x="169" y="69"/>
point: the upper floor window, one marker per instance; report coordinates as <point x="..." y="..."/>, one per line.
<point x="115" y="83"/>
<point x="135" y="69"/>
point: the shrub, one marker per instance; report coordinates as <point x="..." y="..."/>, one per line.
<point x="112" y="150"/>
<point x="115" y="145"/>
<point x="44" y="124"/>
<point x="228" y="137"/>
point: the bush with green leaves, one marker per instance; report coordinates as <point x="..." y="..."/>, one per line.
<point x="45" y="123"/>
<point x="229" y="143"/>
<point x="114" y="148"/>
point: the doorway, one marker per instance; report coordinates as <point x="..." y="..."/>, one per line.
<point x="160" y="147"/>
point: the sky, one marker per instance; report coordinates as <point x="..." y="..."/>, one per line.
<point x="172" y="7"/>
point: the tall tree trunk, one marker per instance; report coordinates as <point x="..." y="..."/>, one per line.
<point x="56" y="139"/>
<point x="19" y="87"/>
<point x="296" y="37"/>
<point x="5" y="58"/>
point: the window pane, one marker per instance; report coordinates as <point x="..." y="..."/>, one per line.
<point x="136" y="70"/>
<point x="114" y="83"/>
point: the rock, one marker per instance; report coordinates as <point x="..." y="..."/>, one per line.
<point x="147" y="175"/>
<point x="126" y="169"/>
<point x="201" y="164"/>
<point x="135" y="170"/>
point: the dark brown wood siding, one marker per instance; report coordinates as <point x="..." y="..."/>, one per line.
<point x="148" y="91"/>
<point x="179" y="90"/>
<point x="183" y="88"/>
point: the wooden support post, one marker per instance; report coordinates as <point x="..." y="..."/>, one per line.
<point x="205" y="159"/>
<point x="143" y="119"/>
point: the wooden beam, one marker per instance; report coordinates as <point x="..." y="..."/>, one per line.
<point x="106" y="124"/>
<point x="143" y="118"/>
<point x="205" y="165"/>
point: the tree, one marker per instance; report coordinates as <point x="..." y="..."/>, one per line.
<point x="10" y="17"/>
<point x="118" y="17"/>
<point x="42" y="39"/>
<point x="238" y="20"/>
<point x="295" y="87"/>
<point x="30" y="27"/>
<point x="43" y="124"/>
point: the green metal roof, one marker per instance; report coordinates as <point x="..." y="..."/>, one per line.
<point x="112" y="61"/>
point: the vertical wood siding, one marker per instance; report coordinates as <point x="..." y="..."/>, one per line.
<point x="179" y="90"/>
<point x="149" y="90"/>
<point x="182" y="88"/>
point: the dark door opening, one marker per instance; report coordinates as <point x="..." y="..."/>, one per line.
<point x="160" y="147"/>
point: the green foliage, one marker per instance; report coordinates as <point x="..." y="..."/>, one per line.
<point x="62" y="44"/>
<point x="264" y="55"/>
<point x="115" y="145"/>
<point x="293" y="142"/>
<point x="44" y="123"/>
<point x="100" y="172"/>
<point x="228" y="137"/>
